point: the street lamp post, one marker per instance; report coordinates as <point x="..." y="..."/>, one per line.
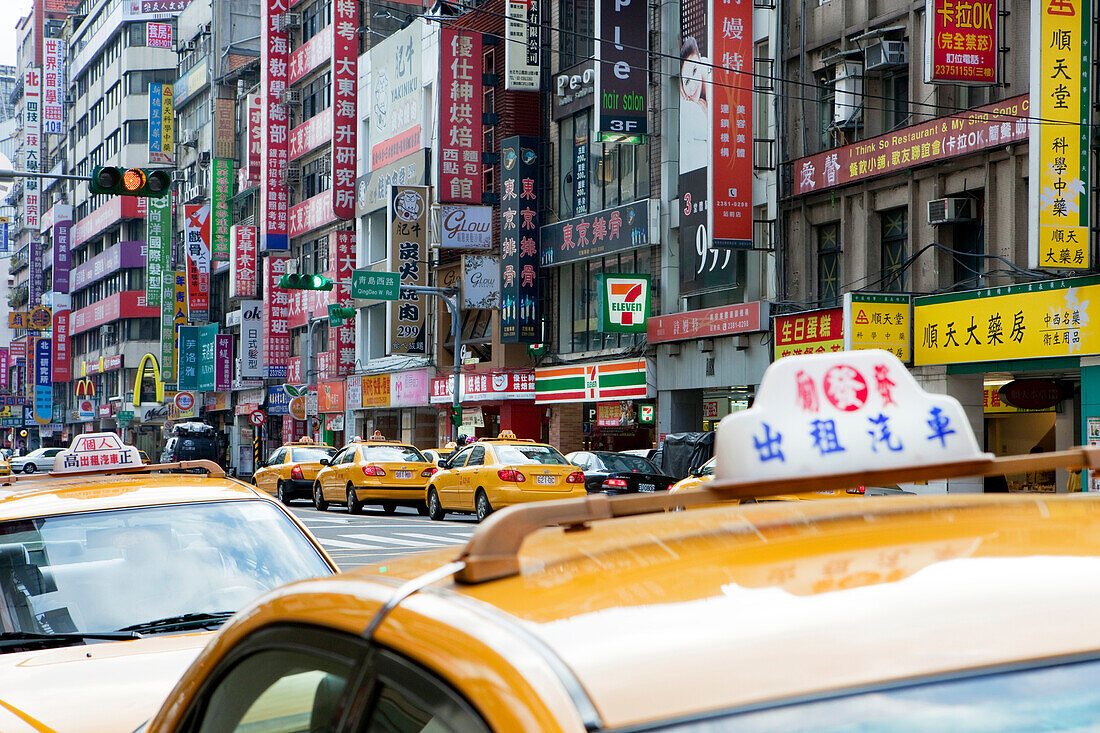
<point x="309" y="370"/>
<point x="449" y="296"/>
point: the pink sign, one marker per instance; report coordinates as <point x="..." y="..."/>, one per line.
<point x="460" y="138"/>
<point x="107" y="215"/>
<point x="313" y="213"/>
<point x="707" y="323"/>
<point x="53" y="55"/>
<point x="276" y="310"/>
<point x="274" y="198"/>
<point x="243" y="274"/>
<point x="196" y="232"/>
<point x="294" y="370"/>
<point x="409" y="389"/>
<point x="127" y="304"/>
<point x="488" y="386"/>
<point x="255" y="140"/>
<point x="342" y="255"/>
<point x="158" y="35"/>
<point x="731" y="119"/>
<point x="345" y="92"/>
<point x="313" y="52"/>
<point x="311" y="134"/>
<point x="223" y="362"/>
<point x="62" y="361"/>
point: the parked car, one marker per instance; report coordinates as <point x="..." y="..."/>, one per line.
<point x="191" y="441"/>
<point x="40" y="459"/>
<point x="646" y="453"/>
<point x="619" y="473"/>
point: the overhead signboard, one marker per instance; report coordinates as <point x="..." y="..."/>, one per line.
<point x="878" y="321"/>
<point x="602" y="233"/>
<point x="370" y="285"/>
<point x="161" y="124"/>
<point x="480" y="281"/>
<point x="725" y="320"/>
<point x="345" y="95"/>
<point x="242" y="276"/>
<point x="519" y="241"/>
<point x="252" y="340"/>
<point x="408" y="240"/>
<point x="460" y="137"/>
<point x="396" y="96"/>
<point x="623" y="305"/>
<point x="275" y="129"/>
<point x="372" y="189"/>
<point x="622" y="70"/>
<point x="196" y="242"/>
<point x="53" y="85"/>
<point x="809" y="332"/>
<point x="615" y="380"/>
<point x="731" y="169"/>
<point x="960" y="42"/>
<point x="32" y="149"/>
<point x="522" y="61"/>
<point x="466" y="227"/>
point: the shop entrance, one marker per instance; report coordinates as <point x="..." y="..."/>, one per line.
<point x="616" y="426"/>
<point x="1012" y="428"/>
<point x="718" y="404"/>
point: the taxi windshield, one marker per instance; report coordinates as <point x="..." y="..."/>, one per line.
<point x="539" y="454"/>
<point x="110" y="570"/>
<point x="311" y="455"/>
<point x="392" y="453"/>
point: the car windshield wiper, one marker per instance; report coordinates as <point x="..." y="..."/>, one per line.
<point x="185" y="621"/>
<point x="21" y="639"/>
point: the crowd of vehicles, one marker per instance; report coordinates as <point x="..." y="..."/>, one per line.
<point x="759" y="610"/>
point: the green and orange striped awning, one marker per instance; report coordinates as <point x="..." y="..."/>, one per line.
<point x="612" y="380"/>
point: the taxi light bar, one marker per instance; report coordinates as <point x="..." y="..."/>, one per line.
<point x="511" y="474"/>
<point x="428" y="472"/>
<point x="374" y="471"/>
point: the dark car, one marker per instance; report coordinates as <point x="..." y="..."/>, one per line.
<point x="619" y="473"/>
<point x="191" y="441"/>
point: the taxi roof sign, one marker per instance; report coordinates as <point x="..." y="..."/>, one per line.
<point x="841" y="413"/>
<point x="91" y="452"/>
<point x="377" y="436"/>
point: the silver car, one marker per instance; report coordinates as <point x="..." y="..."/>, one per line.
<point x="40" y="459"/>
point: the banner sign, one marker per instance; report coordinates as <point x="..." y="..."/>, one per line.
<point x="519" y="241"/>
<point x="602" y="233"/>
<point x="276" y="327"/>
<point x="622" y="70"/>
<point x="929" y="142"/>
<point x="342" y="265"/>
<point x="725" y="320"/>
<point x="43" y="381"/>
<point x="158" y="35"/>
<point x="62" y="243"/>
<point x="396" y="96"/>
<point x="614" y="380"/>
<point x="223" y="362"/>
<point x="5" y="364"/>
<point x="1042" y="319"/>
<point x="960" y="42"/>
<point x="810" y="332"/>
<point x="461" y="99"/>
<point x="62" y="356"/>
<point x="480" y="281"/>
<point x="225" y="131"/>
<point x="730" y="209"/>
<point x="311" y="54"/>
<point x="275" y="125"/>
<point x="197" y="354"/>
<point x="311" y="134"/>
<point x="158" y="234"/>
<point x="466" y="227"/>
<point x="161" y="125"/>
<point x="372" y="190"/>
<point x="486" y="387"/>
<point x="196" y="243"/>
<point x="221" y="171"/>
<point x="330" y="396"/>
<point x="345" y="94"/>
<point x="252" y="339"/>
<point x="173" y="313"/>
<point x="242" y="276"/>
<point x="408" y="239"/>
<point x="878" y="321"/>
<point x="278" y="401"/>
<point x="522" y="64"/>
<point x="623" y="305"/>
<point x="1059" y="148"/>
<point x="34" y="284"/>
<point x="53" y="86"/>
<point x="313" y="213"/>
<point x="5" y="234"/>
<point x="255" y="140"/>
<point x="32" y="141"/>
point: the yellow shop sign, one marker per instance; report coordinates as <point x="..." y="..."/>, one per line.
<point x="1043" y="319"/>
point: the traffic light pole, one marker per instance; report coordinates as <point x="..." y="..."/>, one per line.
<point x="310" y="371"/>
<point x="7" y="174"/>
<point x="449" y="296"/>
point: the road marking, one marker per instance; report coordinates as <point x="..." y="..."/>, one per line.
<point x="330" y="543"/>
<point x="433" y="538"/>
<point x="389" y="540"/>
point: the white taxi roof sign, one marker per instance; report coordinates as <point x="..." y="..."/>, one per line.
<point x="506" y="435"/>
<point x="820" y="415"/>
<point x="377" y="435"/>
<point x="92" y="452"/>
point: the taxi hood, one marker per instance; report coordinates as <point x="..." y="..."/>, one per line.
<point x="93" y="688"/>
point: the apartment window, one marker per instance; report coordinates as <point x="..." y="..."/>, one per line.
<point x="313" y="258"/>
<point x="575" y="40"/>
<point x="968" y="242"/>
<point x="316" y="177"/>
<point x="137" y="82"/>
<point x="112" y="146"/>
<point x="828" y="264"/>
<point x="137" y="132"/>
<point x="578" y="328"/>
<point x="895" y="239"/>
<point x="317" y="96"/>
<point x="897" y="101"/>
<point x="315" y="17"/>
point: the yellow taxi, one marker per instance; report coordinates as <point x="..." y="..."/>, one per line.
<point x="499" y="472"/>
<point x="921" y="613"/>
<point x="113" y="576"/>
<point x="290" y="471"/>
<point x="436" y="455"/>
<point x="374" y="471"/>
<point x="701" y="475"/>
<point x="5" y="466"/>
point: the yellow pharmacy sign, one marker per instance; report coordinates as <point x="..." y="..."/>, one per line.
<point x="878" y="321"/>
<point x="1061" y="71"/>
<point x="1043" y="319"/>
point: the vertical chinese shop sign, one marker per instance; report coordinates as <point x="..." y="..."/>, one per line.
<point x="461" y="93"/>
<point x="242" y="276"/>
<point x="220" y="192"/>
<point x="342" y="338"/>
<point x="43" y="381"/>
<point x="276" y="316"/>
<point x="158" y="233"/>
<point x="408" y="240"/>
<point x="62" y="358"/>
<point x="730" y="211"/>
<point x="345" y="91"/>
<point x="196" y="244"/>
<point x="275" y="123"/>
<point x="62" y="238"/>
<point x="32" y="141"/>
<point x="519" y="241"/>
<point x="1061" y="75"/>
<point x="960" y="42"/>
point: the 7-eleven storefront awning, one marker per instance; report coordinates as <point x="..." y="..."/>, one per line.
<point x="612" y="380"/>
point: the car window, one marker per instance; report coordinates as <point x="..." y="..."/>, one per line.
<point x="277" y="457"/>
<point x="311" y="455"/>
<point x="346" y="456"/>
<point x="707" y="469"/>
<point x="278" y="690"/>
<point x="630" y="464"/>
<point x="534" y="453"/>
<point x="392" y="453"/>
<point x="580" y="460"/>
<point x="477" y="456"/>
<point x="460" y="459"/>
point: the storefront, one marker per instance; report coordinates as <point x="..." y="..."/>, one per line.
<point x="596" y="406"/>
<point x="395" y="404"/>
<point x="492" y="401"/>
<point x="1023" y="361"/>
<point x="330" y="409"/>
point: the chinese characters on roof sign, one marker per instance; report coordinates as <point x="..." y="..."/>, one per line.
<point x="960" y="41"/>
<point x="828" y="414"/>
<point x="878" y="321"/>
<point x="1049" y="318"/>
<point x="275" y="124"/>
<point x="461" y="94"/>
<point x="345" y="93"/>
<point x="1058" y="152"/>
<point x="812" y="332"/>
<point x="940" y="139"/>
<point x="92" y="451"/>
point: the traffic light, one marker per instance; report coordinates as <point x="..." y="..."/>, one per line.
<point x="338" y="314"/>
<point x="456" y="415"/>
<point x="144" y="182"/>
<point x="299" y="281"/>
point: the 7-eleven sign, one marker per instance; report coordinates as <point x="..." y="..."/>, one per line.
<point x="624" y="303"/>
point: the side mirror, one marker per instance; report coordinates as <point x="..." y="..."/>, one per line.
<point x="696" y="472"/>
<point x="325" y="462"/>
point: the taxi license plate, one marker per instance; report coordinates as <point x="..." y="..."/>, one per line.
<point x="403" y="474"/>
<point x="545" y="480"/>
<point x="645" y="487"/>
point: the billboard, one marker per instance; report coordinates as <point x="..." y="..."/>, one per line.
<point x="161" y="124"/>
<point x="32" y="141"/>
<point x="275" y="128"/>
<point x="43" y="381"/>
<point x="960" y="42"/>
<point x="519" y="241"/>
<point x="252" y="339"/>
<point x="466" y="227"/>
<point x="62" y="354"/>
<point x="407" y="217"/>
<point x="522" y="64"/>
<point x="461" y="100"/>
<point x="53" y="85"/>
<point x="730" y="209"/>
<point x="242" y="275"/>
<point x="197" y="352"/>
<point x="396" y="97"/>
<point x="221" y="173"/>
<point x="623" y="305"/>
<point x="62" y="241"/>
<point x="196" y="244"/>
<point x="622" y="70"/>
<point x="345" y="94"/>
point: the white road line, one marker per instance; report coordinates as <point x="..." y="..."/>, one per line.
<point x="433" y="538"/>
<point x="324" y="520"/>
<point x="327" y="544"/>
<point x="389" y="540"/>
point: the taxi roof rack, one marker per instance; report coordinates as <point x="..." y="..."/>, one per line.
<point x="213" y="470"/>
<point x="493" y="550"/>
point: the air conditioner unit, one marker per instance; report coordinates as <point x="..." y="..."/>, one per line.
<point x="286" y="21"/>
<point x="949" y="211"/>
<point x="179" y="176"/>
<point x="848" y="94"/>
<point x="189" y="137"/>
<point x="70" y="98"/>
<point x="886" y="55"/>
<point x="194" y="192"/>
<point x="293" y="174"/>
<point x="191" y="45"/>
<point x="292" y="96"/>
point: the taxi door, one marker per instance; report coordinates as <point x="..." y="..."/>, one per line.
<point x="446" y="482"/>
<point x="267" y="478"/>
<point x="332" y="486"/>
<point x="472" y="476"/>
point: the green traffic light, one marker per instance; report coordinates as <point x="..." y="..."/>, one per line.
<point x="298" y="281"/>
<point x="338" y="314"/>
<point x="140" y="182"/>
